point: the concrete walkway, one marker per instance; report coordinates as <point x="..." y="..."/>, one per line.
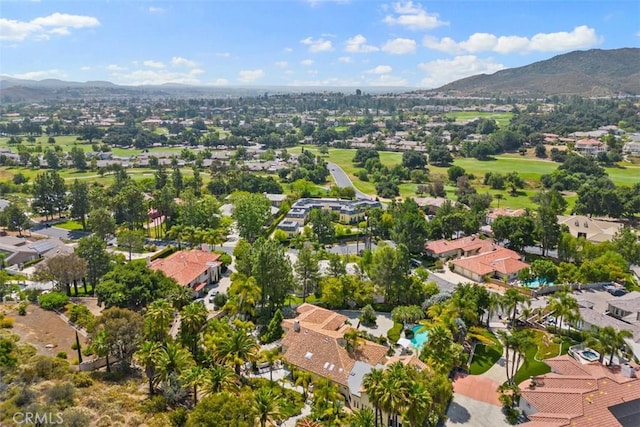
<point x="465" y="411"/>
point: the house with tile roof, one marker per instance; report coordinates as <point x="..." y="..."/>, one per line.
<point x="590" y="147"/>
<point x="314" y="342"/>
<point x="463" y="247"/>
<point x="582" y="395"/>
<point x="193" y="269"/>
<point x="498" y="212"/>
<point x="594" y="230"/>
<point x="499" y="263"/>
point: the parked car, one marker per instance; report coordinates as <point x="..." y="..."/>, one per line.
<point x="212" y="296"/>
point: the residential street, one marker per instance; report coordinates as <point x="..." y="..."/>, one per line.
<point x="342" y="180"/>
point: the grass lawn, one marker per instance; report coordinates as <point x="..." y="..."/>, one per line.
<point x="503" y="119"/>
<point x="71" y="225"/>
<point x="394" y="333"/>
<point x="292" y="299"/>
<point x="485" y="356"/>
<point x="544" y="348"/>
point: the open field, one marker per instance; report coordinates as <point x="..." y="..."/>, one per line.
<point x="503" y="119"/>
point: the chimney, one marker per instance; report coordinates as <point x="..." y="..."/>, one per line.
<point x="296" y="325"/>
<point x="627" y="370"/>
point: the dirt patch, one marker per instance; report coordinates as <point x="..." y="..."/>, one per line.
<point x="44" y="329"/>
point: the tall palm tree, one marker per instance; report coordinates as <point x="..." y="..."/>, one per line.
<point x="172" y="359"/>
<point x="157" y="320"/>
<point x="495" y="301"/>
<point x="195" y="377"/>
<point x="147" y="357"/>
<point x="244" y="294"/>
<point x="303" y="379"/>
<point x="267" y="405"/>
<point x="270" y="357"/>
<point x="419" y="404"/>
<point x="392" y="397"/>
<point x="192" y="319"/>
<point x="619" y="343"/>
<point x="512" y="298"/>
<point x="326" y="398"/>
<point x="372" y="383"/>
<point x="220" y="378"/>
<point x="237" y="348"/>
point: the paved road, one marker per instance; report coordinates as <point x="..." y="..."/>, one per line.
<point x="60" y="233"/>
<point x="342" y="180"/>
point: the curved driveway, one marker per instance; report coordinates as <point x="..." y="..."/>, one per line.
<point x="343" y="181"/>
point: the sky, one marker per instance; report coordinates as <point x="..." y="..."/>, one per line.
<point x="328" y="43"/>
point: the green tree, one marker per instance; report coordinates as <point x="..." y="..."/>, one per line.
<point x="274" y="329"/>
<point x="244" y="295"/>
<point x="101" y="222"/>
<point x="157" y="320"/>
<point x="79" y="200"/>
<point x="172" y="359"/>
<point x="515" y="181"/>
<point x="518" y="231"/>
<point x="78" y="158"/>
<point x="147" y="357"/>
<point x="123" y="329"/>
<point x="272" y="272"/>
<point x="550" y="205"/>
<point x="13" y="217"/>
<point x="510" y="302"/>
<point x="267" y="405"/>
<point x="49" y="194"/>
<point x="545" y="270"/>
<point x="323" y="228"/>
<point x="252" y="212"/>
<point x="131" y="241"/>
<point x="193" y="318"/>
<point x="195" y="377"/>
<point x="409" y="225"/>
<point x="307" y="272"/>
<point x="223" y="409"/>
<point x="236" y="349"/>
<point x="94" y="251"/>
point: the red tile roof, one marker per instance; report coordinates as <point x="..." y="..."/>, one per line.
<point x="578" y="395"/>
<point x="501" y="260"/>
<point x="464" y="244"/>
<point x="185" y="266"/>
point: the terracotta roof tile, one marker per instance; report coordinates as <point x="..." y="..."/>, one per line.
<point x="464" y="244"/>
<point x="185" y="266"/>
<point x="500" y="260"/>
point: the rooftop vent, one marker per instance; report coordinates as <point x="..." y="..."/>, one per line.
<point x="308" y="356"/>
<point x="326" y="365"/>
<point x="627" y="370"/>
<point x="296" y="325"/>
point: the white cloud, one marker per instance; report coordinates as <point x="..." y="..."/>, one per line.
<point x="442" y="71"/>
<point x="153" y="64"/>
<point x="307" y="62"/>
<point x="39" y="75"/>
<point x="178" y="61"/>
<point x="358" y="44"/>
<point x="220" y="82"/>
<point x="223" y="54"/>
<point x="314" y="3"/>
<point x="40" y="28"/>
<point x="380" y="69"/>
<point x="334" y="81"/>
<point x="155" y="9"/>
<point x="387" y="80"/>
<point x="345" y="59"/>
<point x="85" y="68"/>
<point x="248" y="76"/>
<point x="399" y="46"/>
<point x="317" y="45"/>
<point x="287" y="50"/>
<point x="580" y="37"/>
<point x="114" y="67"/>
<point x="414" y="17"/>
<point x="158" y="77"/>
<point x="281" y="64"/>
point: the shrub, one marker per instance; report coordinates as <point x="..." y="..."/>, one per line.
<point x="31" y="294"/>
<point x="77" y="312"/>
<point x="368" y="315"/>
<point x="53" y="300"/>
<point x="82" y="380"/>
<point x="61" y="394"/>
<point x="154" y="405"/>
<point x="61" y="355"/>
<point x="77" y="417"/>
<point x="394" y="332"/>
<point x="22" y="308"/>
<point x="48" y="368"/>
<point x="6" y="323"/>
<point x="179" y="417"/>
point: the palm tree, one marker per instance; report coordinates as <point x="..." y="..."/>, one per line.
<point x="177" y="232"/>
<point x="220" y="378"/>
<point x="362" y="418"/>
<point x="372" y="383"/>
<point x="419" y="403"/>
<point x="607" y="340"/>
<point x="619" y="343"/>
<point x="270" y="357"/>
<point x="495" y="301"/>
<point x="244" y="294"/>
<point x="195" y="376"/>
<point x="510" y="302"/>
<point x="303" y="379"/>
<point x="192" y="319"/>
<point x="172" y="359"/>
<point x="147" y="357"/>
<point x="326" y="397"/>
<point x="267" y="405"/>
<point x="157" y="320"/>
<point x="498" y="197"/>
<point x="236" y="349"/>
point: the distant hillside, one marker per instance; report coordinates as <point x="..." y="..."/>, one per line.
<point x="587" y="73"/>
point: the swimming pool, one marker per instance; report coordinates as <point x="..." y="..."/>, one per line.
<point x="589" y="355"/>
<point x="419" y="338"/>
<point x="536" y="283"/>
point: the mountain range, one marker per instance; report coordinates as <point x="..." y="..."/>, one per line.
<point x="590" y="73"/>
